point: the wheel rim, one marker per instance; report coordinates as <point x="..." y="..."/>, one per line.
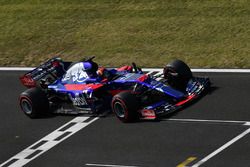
<point x="119" y="109"/>
<point x="26" y="106"/>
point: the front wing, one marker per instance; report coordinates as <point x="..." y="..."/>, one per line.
<point x="195" y="88"/>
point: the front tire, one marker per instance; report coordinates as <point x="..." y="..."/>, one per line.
<point x="178" y="74"/>
<point x="34" y="103"/>
<point x="125" y="106"/>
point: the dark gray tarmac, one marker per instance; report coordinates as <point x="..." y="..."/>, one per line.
<point x="158" y="144"/>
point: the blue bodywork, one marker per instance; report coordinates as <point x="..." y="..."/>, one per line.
<point x="74" y="90"/>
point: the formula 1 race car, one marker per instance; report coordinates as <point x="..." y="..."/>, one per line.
<point x="58" y="86"/>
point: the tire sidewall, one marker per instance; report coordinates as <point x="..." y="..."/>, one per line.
<point x="122" y="103"/>
<point x="130" y="104"/>
<point x="37" y="101"/>
<point x="21" y="104"/>
<point x="184" y="74"/>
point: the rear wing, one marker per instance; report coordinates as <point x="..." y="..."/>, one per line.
<point x="45" y="74"/>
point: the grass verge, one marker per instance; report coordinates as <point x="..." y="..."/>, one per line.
<point x="204" y="33"/>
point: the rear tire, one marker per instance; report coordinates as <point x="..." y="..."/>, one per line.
<point x="125" y="106"/>
<point x="34" y="103"/>
<point x="178" y="74"/>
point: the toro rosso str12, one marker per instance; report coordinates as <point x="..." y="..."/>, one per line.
<point x="58" y="86"/>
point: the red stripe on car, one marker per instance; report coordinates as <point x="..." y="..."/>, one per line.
<point x="190" y="97"/>
<point x="82" y="86"/>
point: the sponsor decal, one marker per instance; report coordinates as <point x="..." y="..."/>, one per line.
<point x="148" y="114"/>
<point x="78" y="99"/>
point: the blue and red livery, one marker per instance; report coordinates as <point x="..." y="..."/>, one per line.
<point x="83" y="87"/>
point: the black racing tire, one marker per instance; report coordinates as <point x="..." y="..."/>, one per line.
<point x="34" y="103"/>
<point x="178" y="74"/>
<point x="125" y="106"/>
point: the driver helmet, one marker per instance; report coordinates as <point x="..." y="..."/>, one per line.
<point x="90" y="68"/>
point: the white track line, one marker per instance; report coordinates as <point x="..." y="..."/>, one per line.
<point x="48" y="142"/>
<point x="146" y="69"/>
<point x="16" y="68"/>
<point x="207" y="70"/>
<point x="222" y="148"/>
<point x="247" y="123"/>
<point x="222" y="70"/>
<point x="106" y="165"/>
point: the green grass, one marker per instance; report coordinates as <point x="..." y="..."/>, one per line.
<point x="204" y="33"/>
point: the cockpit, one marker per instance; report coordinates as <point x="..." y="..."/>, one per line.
<point x="80" y="73"/>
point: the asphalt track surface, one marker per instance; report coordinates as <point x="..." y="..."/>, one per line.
<point x="206" y="130"/>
